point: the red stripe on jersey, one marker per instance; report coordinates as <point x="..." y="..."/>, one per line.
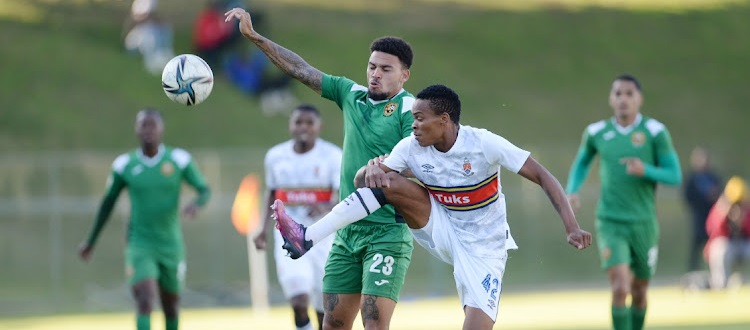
<point x="304" y="196"/>
<point x="467" y="198"/>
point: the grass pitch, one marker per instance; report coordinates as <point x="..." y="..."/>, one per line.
<point x="670" y="308"/>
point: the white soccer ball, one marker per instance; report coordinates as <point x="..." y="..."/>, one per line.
<point x="187" y="79"/>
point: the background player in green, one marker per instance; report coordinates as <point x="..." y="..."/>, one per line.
<point x="368" y="261"/>
<point x="154" y="256"/>
<point x="635" y="153"/>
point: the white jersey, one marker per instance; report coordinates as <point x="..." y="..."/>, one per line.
<point x="466" y="182"/>
<point x="299" y="180"/>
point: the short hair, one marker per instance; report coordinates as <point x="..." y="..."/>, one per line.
<point x="306" y="107"/>
<point x="630" y="78"/>
<point x="149" y="111"/>
<point x="442" y="100"/>
<point x="395" y="46"/>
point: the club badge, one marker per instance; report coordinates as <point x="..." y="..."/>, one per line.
<point x="167" y="168"/>
<point x="390" y="108"/>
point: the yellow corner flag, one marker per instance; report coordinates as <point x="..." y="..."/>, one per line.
<point x="245" y="217"/>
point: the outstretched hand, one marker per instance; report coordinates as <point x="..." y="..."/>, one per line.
<point x="260" y="241"/>
<point x="579" y="238"/>
<point x="84" y="251"/>
<point x="246" y="23"/>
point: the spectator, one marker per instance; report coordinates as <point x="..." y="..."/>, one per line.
<point x="149" y="36"/>
<point x="213" y="39"/>
<point x="702" y="189"/>
<point x="728" y="228"/>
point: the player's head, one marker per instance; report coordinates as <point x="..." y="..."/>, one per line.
<point x="149" y="127"/>
<point x="437" y="107"/>
<point x="388" y="67"/>
<point x="625" y="96"/>
<point x="699" y="159"/>
<point x="304" y="124"/>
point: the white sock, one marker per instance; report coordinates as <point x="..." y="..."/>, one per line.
<point x="307" y="326"/>
<point x="354" y="207"/>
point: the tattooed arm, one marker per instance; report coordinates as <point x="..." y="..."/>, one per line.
<point x="535" y="172"/>
<point x="286" y="60"/>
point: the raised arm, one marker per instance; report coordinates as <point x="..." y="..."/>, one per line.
<point x="286" y="60"/>
<point x="535" y="172"/>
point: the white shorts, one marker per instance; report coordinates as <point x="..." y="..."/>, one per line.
<point x="478" y="280"/>
<point x="303" y="275"/>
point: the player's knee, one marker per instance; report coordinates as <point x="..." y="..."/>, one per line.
<point x="620" y="290"/>
<point x="401" y="187"/>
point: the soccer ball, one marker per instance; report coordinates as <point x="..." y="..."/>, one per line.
<point x="187" y="79"/>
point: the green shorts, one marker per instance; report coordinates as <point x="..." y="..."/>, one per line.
<point x="632" y="243"/>
<point x="369" y="258"/>
<point x="167" y="268"/>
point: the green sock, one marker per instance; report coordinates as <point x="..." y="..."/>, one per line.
<point x="638" y="317"/>
<point x="143" y="322"/>
<point x="172" y="324"/>
<point x="621" y="318"/>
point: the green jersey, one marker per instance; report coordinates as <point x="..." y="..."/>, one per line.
<point x="371" y="128"/>
<point x="626" y="197"/>
<point x="154" y="186"/>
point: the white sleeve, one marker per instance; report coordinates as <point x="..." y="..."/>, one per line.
<point x="267" y="168"/>
<point x="500" y="151"/>
<point x="398" y="156"/>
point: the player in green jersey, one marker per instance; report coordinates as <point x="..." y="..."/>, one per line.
<point x="376" y="117"/>
<point x="635" y="153"/>
<point x="154" y="256"/>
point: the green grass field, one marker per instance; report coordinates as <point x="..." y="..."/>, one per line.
<point x="670" y="308"/>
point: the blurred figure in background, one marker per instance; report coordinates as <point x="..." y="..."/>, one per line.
<point x="247" y="68"/>
<point x="304" y="173"/>
<point x="635" y="154"/>
<point x="213" y="39"/>
<point x="147" y="35"/>
<point x="154" y="254"/>
<point x="701" y="190"/>
<point x="728" y="227"/>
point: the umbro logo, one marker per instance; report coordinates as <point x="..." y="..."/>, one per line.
<point x="609" y="135"/>
<point x="427" y="168"/>
<point x="137" y="170"/>
<point x="381" y="282"/>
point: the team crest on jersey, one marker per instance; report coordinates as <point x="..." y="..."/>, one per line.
<point x="390" y="108"/>
<point x="467" y="168"/>
<point x="167" y="168"/>
<point x="638" y="138"/>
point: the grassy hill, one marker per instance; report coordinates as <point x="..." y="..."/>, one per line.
<point x="536" y="76"/>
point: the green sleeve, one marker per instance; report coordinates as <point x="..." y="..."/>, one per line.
<point x="581" y="165"/>
<point x="335" y="88"/>
<point x="195" y="178"/>
<point x="667" y="169"/>
<point x="406" y="120"/>
<point x="114" y="187"/>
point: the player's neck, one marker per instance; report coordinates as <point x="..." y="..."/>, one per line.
<point x="627" y="120"/>
<point x="449" y="139"/>
<point x="302" y="147"/>
<point x="150" y="150"/>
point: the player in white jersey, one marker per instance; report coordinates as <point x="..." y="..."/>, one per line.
<point x="460" y="216"/>
<point x="303" y="173"/>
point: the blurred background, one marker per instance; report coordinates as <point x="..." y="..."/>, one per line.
<point x="73" y="74"/>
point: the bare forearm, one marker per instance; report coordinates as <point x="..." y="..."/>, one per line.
<point x="556" y="195"/>
<point x="289" y="62"/>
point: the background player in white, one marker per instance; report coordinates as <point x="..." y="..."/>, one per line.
<point x="460" y="217"/>
<point x="303" y="173"/>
